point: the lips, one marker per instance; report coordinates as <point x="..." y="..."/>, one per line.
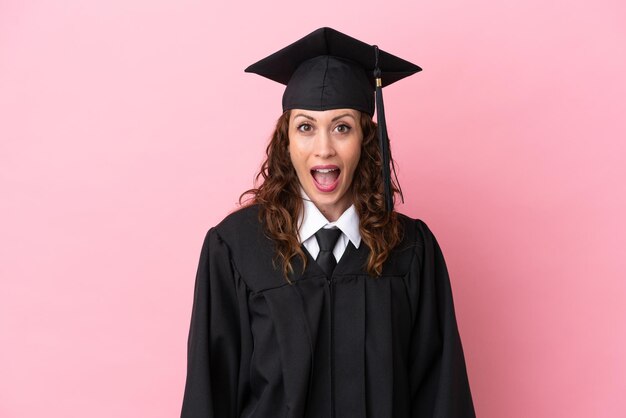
<point x="325" y="177"/>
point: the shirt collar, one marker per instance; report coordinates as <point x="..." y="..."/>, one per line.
<point x="313" y="220"/>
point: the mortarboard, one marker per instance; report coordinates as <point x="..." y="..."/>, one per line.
<point x="327" y="69"/>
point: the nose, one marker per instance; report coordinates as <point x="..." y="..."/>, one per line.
<point x="323" y="145"/>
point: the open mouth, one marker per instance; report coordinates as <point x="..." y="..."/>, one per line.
<point x="326" y="178"/>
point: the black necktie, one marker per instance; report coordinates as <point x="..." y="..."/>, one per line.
<point x="327" y="238"/>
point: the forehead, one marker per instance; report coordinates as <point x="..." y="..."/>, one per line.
<point x="324" y="115"/>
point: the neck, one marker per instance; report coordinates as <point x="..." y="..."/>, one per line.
<point x="333" y="212"/>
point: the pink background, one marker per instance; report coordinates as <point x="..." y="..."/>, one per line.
<point x="128" y="128"/>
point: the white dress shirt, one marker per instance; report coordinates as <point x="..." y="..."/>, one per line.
<point x="313" y="220"/>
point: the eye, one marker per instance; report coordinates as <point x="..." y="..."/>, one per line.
<point x="305" y="127"/>
<point x="343" y="128"/>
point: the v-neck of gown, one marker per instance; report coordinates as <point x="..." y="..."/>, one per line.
<point x="351" y="262"/>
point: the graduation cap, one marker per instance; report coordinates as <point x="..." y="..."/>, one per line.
<point x="327" y="69"/>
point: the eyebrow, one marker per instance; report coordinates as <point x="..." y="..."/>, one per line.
<point x="313" y="119"/>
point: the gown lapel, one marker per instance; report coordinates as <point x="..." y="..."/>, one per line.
<point x="352" y="262"/>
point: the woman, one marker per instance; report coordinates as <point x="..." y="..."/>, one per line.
<point x="316" y="299"/>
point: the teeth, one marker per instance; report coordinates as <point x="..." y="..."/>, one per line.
<point x="325" y="170"/>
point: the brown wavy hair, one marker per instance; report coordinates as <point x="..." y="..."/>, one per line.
<point x="278" y="196"/>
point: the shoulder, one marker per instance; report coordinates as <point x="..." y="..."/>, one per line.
<point x="244" y="220"/>
<point x="415" y="238"/>
<point x="249" y="249"/>
<point x="416" y="231"/>
<point x="241" y="230"/>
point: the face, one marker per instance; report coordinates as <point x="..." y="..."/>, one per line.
<point x="325" y="147"/>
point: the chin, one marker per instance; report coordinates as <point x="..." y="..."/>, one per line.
<point x="327" y="199"/>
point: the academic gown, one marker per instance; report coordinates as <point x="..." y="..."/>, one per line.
<point x="346" y="346"/>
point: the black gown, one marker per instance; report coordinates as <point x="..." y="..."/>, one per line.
<point x="348" y="346"/>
